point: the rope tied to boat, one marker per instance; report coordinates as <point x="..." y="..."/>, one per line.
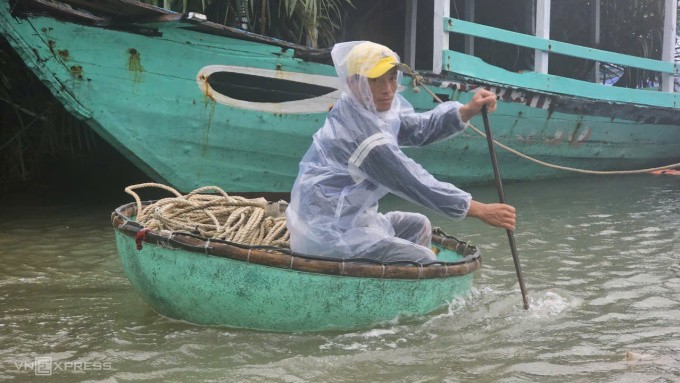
<point x="211" y="213"/>
<point x="418" y="79"/>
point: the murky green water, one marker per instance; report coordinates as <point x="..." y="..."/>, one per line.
<point x="600" y="255"/>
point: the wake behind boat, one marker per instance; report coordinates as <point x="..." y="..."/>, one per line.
<point x="254" y="281"/>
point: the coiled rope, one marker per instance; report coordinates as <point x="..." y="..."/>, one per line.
<point x="217" y="215"/>
<point x="418" y="79"/>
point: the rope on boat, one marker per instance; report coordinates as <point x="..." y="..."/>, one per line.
<point x="418" y="80"/>
<point x="216" y="215"/>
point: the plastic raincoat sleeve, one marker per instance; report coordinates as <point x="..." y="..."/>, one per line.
<point x="387" y="165"/>
<point x="419" y="129"/>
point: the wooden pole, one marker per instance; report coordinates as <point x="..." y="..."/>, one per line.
<point x="440" y="42"/>
<point x="669" y="42"/>
<point x="543" y="31"/>
<point x="595" y="23"/>
<point x="501" y="196"/>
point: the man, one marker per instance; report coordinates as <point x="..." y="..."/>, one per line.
<point x="355" y="160"/>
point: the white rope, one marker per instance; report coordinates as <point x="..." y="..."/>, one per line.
<point x="213" y="216"/>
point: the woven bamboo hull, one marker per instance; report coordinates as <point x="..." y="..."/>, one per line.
<point x="245" y="288"/>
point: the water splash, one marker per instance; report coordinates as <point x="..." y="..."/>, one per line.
<point x="551" y="304"/>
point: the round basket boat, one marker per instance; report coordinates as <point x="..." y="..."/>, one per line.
<point x="212" y="282"/>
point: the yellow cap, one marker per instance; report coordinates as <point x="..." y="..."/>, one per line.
<point x="370" y="60"/>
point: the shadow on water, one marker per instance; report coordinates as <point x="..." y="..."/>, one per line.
<point x="81" y="179"/>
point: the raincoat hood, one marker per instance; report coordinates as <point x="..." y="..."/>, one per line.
<point x="357" y="62"/>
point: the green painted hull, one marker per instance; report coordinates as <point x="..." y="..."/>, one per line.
<point x="141" y="91"/>
<point x="209" y="290"/>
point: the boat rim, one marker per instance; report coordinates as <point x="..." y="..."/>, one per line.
<point x="122" y="221"/>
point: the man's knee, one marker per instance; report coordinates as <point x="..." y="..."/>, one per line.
<point x="413" y="227"/>
<point x="399" y="250"/>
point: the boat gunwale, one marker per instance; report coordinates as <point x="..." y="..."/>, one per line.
<point x="286" y="259"/>
<point x="102" y="17"/>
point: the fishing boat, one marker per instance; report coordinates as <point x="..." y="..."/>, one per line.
<point x="215" y="282"/>
<point x="191" y="102"/>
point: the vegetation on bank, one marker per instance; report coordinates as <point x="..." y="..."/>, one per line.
<point x="313" y="23"/>
<point x="35" y="129"/>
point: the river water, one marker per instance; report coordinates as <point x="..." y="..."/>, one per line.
<point x="601" y="264"/>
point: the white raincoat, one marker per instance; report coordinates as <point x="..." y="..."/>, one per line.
<point x="354" y="160"/>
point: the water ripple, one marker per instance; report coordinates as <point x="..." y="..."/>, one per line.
<point x="600" y="260"/>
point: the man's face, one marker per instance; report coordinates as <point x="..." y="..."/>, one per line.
<point x="383" y="89"/>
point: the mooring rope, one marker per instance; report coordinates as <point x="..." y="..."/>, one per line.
<point x="418" y="80"/>
<point x="216" y="215"/>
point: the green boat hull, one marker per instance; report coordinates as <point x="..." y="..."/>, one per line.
<point x="144" y="88"/>
<point x="210" y="290"/>
<point x="221" y="283"/>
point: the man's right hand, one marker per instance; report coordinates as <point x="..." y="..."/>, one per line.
<point x="494" y="214"/>
<point x="481" y="98"/>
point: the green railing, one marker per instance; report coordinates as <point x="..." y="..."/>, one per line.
<point x="519" y="39"/>
<point x="473" y="67"/>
